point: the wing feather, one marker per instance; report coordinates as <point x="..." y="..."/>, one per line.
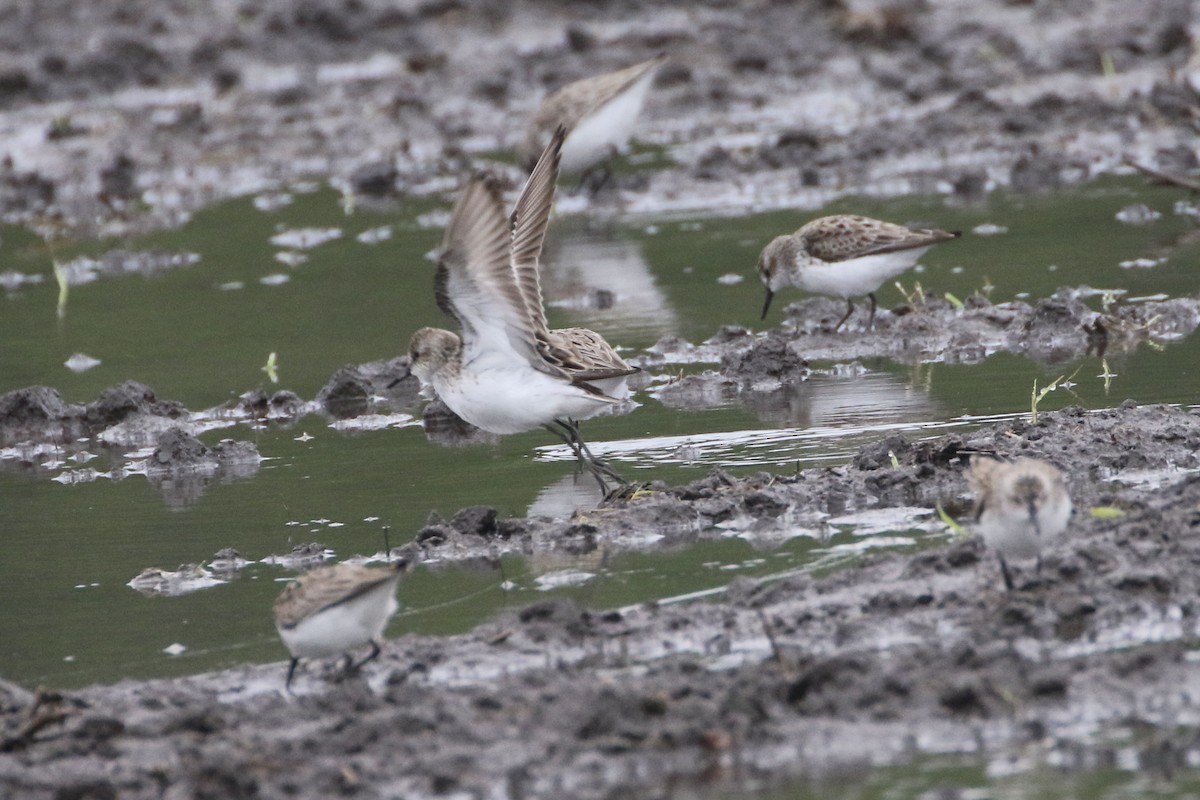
<point x="476" y="282"/>
<point x="846" y="236"/>
<point x="325" y="587"/>
<point x="529" y="221"/>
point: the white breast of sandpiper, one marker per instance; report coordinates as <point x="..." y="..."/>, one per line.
<point x="1007" y="528"/>
<point x="853" y="277"/>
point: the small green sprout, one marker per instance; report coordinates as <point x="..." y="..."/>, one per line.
<point x="1106" y="65"/>
<point x="1037" y="397"/>
<point x="958" y="530"/>
<point x="1106" y="512"/>
<point x="1107" y="375"/>
<point x="954" y="301"/>
<point x="64" y="288"/>
<point x="913" y="298"/>
<point x="270" y="368"/>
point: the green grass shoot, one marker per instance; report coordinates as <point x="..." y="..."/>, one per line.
<point x="1037" y="397"/>
<point x="1106" y="512"/>
<point x="64" y="288"/>
<point x="270" y="368"/>
<point x="958" y="530"/>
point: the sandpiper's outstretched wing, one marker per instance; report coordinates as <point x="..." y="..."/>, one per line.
<point x="476" y="284"/>
<point x="845" y="236"/>
<point x="581" y="352"/>
<point x="530" y="219"/>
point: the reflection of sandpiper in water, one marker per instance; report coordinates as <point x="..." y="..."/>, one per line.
<point x="509" y="372"/>
<point x="845" y="256"/>
<point x="836" y="402"/>
<point x="605" y="283"/>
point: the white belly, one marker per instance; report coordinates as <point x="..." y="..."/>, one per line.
<point x="856" y="276"/>
<point x="598" y="135"/>
<point x="513" y="401"/>
<point x="343" y="627"/>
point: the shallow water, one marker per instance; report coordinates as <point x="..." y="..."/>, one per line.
<point x="202" y="333"/>
<point x="959" y="778"/>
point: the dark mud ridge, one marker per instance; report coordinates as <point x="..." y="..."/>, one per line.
<point x="40" y="432"/>
<point x="1089" y="662"/>
<point x="120" y="117"/>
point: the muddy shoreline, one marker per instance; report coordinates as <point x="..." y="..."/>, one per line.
<point x="895" y="656"/>
<point x="119" y="120"/>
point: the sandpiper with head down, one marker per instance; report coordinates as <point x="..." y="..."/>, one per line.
<point x="333" y="609"/>
<point x="508" y="372"/>
<point x="844" y="255"/>
<point x="598" y="114"/>
<point x="1020" y="507"/>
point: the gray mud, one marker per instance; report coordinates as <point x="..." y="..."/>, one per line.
<point x="898" y="655"/>
<point x="117" y="119"/>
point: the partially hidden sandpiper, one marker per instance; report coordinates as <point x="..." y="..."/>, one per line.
<point x="508" y="372"/>
<point x="844" y="255"/>
<point x="598" y="114"/>
<point x="333" y="609"/>
<point x="1020" y="507"/>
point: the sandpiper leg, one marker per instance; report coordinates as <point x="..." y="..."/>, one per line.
<point x="1008" y="581"/>
<point x="291" y="671"/>
<point x="595" y="178"/>
<point x="568" y="431"/>
<point x="596" y="463"/>
<point x="375" y="651"/>
<point x="871" y="321"/>
<point x="849" y="311"/>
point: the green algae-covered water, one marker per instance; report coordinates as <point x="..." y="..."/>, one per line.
<point x="201" y="333"/>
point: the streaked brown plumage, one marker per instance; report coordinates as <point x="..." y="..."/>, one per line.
<point x="844" y="255"/>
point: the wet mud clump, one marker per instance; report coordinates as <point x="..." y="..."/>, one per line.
<point x="39" y="413"/>
<point x="1055" y="329"/>
<point x="348" y="393"/>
